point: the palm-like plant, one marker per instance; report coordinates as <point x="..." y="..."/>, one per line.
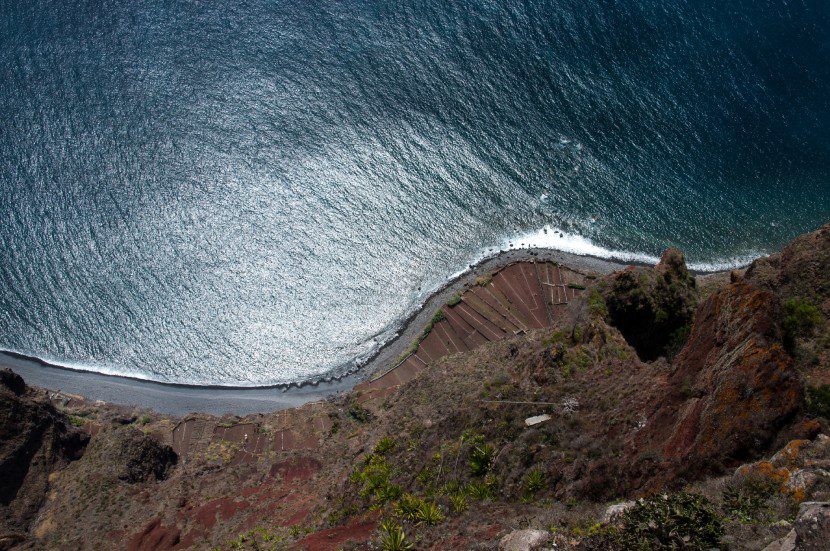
<point x="392" y="537"/>
<point x="408" y="506"/>
<point x="429" y="513"/>
<point x="481" y="459"/>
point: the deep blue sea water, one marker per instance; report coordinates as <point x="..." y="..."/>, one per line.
<point x="257" y="192"/>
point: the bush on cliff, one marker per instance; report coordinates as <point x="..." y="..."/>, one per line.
<point x="651" y="306"/>
<point x="802" y="317"/>
<point x="817" y="400"/>
<point x="675" y="521"/>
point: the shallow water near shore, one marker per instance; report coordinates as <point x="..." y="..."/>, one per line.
<point x="260" y="193"/>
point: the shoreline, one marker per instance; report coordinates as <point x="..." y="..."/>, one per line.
<point x="181" y="399"/>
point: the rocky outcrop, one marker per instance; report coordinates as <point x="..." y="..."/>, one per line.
<point x="12" y="382"/>
<point x="127" y="454"/>
<point x="524" y="540"/>
<point x="800" y="269"/>
<point x="652" y="306"/>
<point x="731" y="388"/>
<point x="811" y="531"/>
<point x="35" y="441"/>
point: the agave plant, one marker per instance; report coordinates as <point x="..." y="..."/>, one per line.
<point x="532" y="484"/>
<point x="481" y="458"/>
<point x="408" y="507"/>
<point x="392" y="537"/>
<point x="429" y="513"/>
<point x="458" y="503"/>
<point x="384" y="445"/>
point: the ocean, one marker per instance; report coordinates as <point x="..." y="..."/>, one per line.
<point x="256" y="193"/>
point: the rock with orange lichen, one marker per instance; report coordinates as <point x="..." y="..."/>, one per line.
<point x="800" y="469"/>
<point x="730" y="390"/>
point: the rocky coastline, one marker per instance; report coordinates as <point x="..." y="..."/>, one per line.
<point x="178" y="399"/>
<point x="540" y="408"/>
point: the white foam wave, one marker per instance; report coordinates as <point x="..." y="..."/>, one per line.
<point x="555" y="238"/>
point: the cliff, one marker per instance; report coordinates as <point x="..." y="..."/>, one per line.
<point x="538" y="398"/>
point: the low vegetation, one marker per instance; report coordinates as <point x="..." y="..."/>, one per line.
<point x="801" y="318"/>
<point x="676" y="521"/>
<point x="392" y="537"/>
<point x="817" y="400"/>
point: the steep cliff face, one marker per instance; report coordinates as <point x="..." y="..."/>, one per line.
<point x="800" y="269"/>
<point x="731" y="388"/>
<point x="35" y="441"/>
<point x="799" y="276"/>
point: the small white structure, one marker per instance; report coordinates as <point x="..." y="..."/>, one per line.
<point x="530" y="421"/>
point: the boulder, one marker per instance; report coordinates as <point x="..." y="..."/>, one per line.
<point x="524" y="540"/>
<point x="811" y="531"/>
<point x="812" y="525"/>
<point x="615" y="510"/>
<point x="787" y="543"/>
<point x="127" y="454"/>
<point x="535" y="420"/>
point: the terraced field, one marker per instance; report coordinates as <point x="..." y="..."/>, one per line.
<point x="519" y="297"/>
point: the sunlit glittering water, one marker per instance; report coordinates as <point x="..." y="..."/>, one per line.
<point x="257" y="192"/>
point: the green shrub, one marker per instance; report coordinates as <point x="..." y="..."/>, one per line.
<point x="375" y="480"/>
<point x="408" y="506"/>
<point x="800" y="320"/>
<point x="77" y="421"/>
<point x="456" y="299"/>
<point x="479" y="490"/>
<point x="359" y="413"/>
<point x="429" y="513"/>
<point x="427" y="477"/>
<point x="392" y="537"/>
<point x="458" y="503"/>
<point x="481" y="459"/>
<point x="384" y="445"/>
<point x="576" y="286"/>
<point x="817" y="400"/>
<point x="746" y="499"/>
<point x="596" y="304"/>
<point x="484" y="280"/>
<point x="436" y="317"/>
<point x="532" y="484"/>
<point x="677" y="521"/>
<point x="387" y="493"/>
<point x="144" y="419"/>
